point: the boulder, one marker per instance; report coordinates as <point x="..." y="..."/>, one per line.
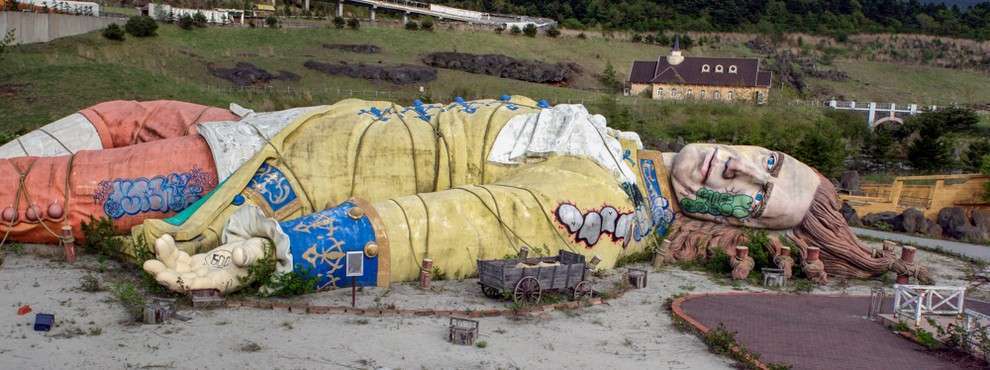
<point x="981" y="218"/>
<point x="913" y="221"/>
<point x="892" y="219"/>
<point x="952" y="219"/>
<point x="849" y="182"/>
<point x="934" y="230"/>
<point x="849" y="213"/>
<point x="970" y="233"/>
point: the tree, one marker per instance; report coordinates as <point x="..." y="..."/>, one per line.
<point x="113" y="32"/>
<point x="823" y="149"/>
<point x="199" y="20"/>
<point x="609" y="79"/>
<point x="141" y="26"/>
<point x="426" y="24"/>
<point x="986" y="171"/>
<point x="271" y="21"/>
<point x="185" y="22"/>
<point x="515" y="30"/>
<point x="530" y="30"/>
<point x="412" y="26"/>
<point x="353" y="24"/>
<point x="974" y="154"/>
<point x="7" y="41"/>
<point x="553" y="32"/>
<point x="930" y="153"/>
<point x="339" y="22"/>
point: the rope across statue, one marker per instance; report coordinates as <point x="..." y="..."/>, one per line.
<point x="214" y="191"/>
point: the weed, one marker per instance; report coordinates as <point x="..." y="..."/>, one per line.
<point x="500" y="331"/>
<point x="100" y="237"/>
<point x="250" y="346"/>
<point x="129" y="296"/>
<point x="720" y="340"/>
<point x="687" y="287"/>
<point x="635" y="257"/>
<point x="717" y="263"/>
<point x="802" y="286"/>
<point x="90" y="283"/>
<point x="927" y="339"/>
<point x="437" y="274"/>
<point x="95" y="331"/>
<point x="627" y="342"/>
<point x="481" y="344"/>
<point x="901" y="327"/>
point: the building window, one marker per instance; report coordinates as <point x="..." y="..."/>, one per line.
<point x="716" y="95"/>
<point x="659" y="92"/>
<point x="719" y="69"/>
<point x="730" y="95"/>
<point x="690" y="94"/>
<point x="706" y="68"/>
<point x="732" y="69"/>
<point x="701" y="94"/>
<point x="673" y="92"/>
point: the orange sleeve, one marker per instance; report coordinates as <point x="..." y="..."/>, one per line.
<point x="121" y="123"/>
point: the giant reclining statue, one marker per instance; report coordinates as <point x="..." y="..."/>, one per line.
<point x="213" y="191"/>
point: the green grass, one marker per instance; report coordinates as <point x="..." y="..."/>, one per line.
<point x="907" y="84"/>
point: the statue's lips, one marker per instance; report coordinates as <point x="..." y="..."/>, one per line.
<point x="706" y="167"/>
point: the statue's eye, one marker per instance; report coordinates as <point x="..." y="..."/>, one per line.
<point x="759" y="197"/>
<point x="771" y="161"/>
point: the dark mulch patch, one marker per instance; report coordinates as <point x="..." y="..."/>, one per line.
<point x="401" y="74"/>
<point x="505" y="67"/>
<point x="11" y="90"/>
<point x="247" y="74"/>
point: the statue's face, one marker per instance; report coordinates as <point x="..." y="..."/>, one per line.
<point x="743" y="185"/>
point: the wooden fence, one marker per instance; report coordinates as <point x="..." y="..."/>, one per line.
<point x="928" y="193"/>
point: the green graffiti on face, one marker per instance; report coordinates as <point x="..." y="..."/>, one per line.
<point x="715" y="203"/>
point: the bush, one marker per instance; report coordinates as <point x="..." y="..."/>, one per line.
<point x="339" y="22"/>
<point x="499" y="30"/>
<point x="271" y="21"/>
<point x="823" y="149"/>
<point x="530" y="30"/>
<point x="99" y="237"/>
<point x="974" y="155"/>
<point x="141" y="26"/>
<point x="572" y="23"/>
<point x="582" y="36"/>
<point x="637" y="38"/>
<point x="515" y="30"/>
<point x="199" y="20"/>
<point x="609" y="79"/>
<point x="353" y="23"/>
<point x="426" y="24"/>
<point x="412" y="26"/>
<point x="113" y="32"/>
<point x="553" y="32"/>
<point x="185" y="22"/>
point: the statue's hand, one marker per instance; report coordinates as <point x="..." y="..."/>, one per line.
<point x="222" y="268"/>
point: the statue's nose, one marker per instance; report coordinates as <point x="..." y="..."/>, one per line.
<point x="736" y="167"/>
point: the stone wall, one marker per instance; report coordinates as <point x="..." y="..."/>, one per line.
<point x="39" y="27"/>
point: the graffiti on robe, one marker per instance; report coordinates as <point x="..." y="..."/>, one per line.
<point x="169" y="193"/>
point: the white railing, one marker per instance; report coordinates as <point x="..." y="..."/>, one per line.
<point x="918" y="300"/>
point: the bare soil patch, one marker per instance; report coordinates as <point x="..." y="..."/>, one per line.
<point x="402" y="74"/>
<point x="505" y="67"/>
<point x="354" y="48"/>
<point x="247" y="74"/>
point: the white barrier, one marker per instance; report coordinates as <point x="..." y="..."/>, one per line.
<point x="918" y="300"/>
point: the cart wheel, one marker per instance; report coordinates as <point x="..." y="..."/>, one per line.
<point x="528" y="290"/>
<point x="490" y="292"/>
<point x="582" y="290"/>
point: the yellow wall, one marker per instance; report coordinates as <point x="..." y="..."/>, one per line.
<point x="744" y="94"/>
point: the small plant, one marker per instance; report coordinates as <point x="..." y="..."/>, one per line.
<point x="719" y="340"/>
<point x="353" y="24"/>
<point x="7" y="41"/>
<point x="426" y="24"/>
<point x="99" y="235"/>
<point x="339" y="22"/>
<point x="141" y="26"/>
<point x="901" y="327"/>
<point x="927" y="339"/>
<point x="802" y="286"/>
<point x="199" y="20"/>
<point x="530" y="30"/>
<point x="271" y="21"/>
<point x="90" y="283"/>
<point x="717" y="263"/>
<point x="481" y="344"/>
<point x="635" y="257"/>
<point x="113" y="32"/>
<point x="185" y="22"/>
<point x="437" y="274"/>
<point x="553" y="32"/>
<point x="515" y="30"/>
<point x="129" y="296"/>
<point x="412" y="26"/>
<point x="582" y="36"/>
<point x="499" y="30"/>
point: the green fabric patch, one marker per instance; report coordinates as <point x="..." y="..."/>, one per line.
<point x="183" y="216"/>
<point x="719" y="204"/>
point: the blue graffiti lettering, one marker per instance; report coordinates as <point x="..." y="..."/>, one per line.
<point x="169" y="193"/>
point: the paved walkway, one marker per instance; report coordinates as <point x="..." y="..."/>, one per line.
<point x="975" y="251"/>
<point x="815" y="332"/>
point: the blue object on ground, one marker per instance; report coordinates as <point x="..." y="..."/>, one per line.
<point x="43" y="322"/>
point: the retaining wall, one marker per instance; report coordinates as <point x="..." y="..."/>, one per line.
<point x="39" y="27"/>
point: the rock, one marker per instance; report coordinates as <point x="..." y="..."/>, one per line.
<point x="247" y="74"/>
<point x="849" y="213"/>
<point x="504" y="66"/>
<point x="981" y="218"/>
<point x="354" y="48"/>
<point x="849" y="182"/>
<point x="952" y="219"/>
<point x="913" y="221"/>
<point x="934" y="230"/>
<point x="891" y="219"/>
<point x="402" y="74"/>
<point x="970" y="233"/>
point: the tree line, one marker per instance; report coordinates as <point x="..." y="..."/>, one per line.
<point x="829" y="17"/>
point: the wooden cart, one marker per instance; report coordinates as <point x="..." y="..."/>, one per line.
<point x="526" y="280"/>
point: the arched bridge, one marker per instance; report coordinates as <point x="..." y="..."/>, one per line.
<point x="881" y="113"/>
<point x="407" y="7"/>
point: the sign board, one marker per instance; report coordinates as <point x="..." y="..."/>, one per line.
<point x="355" y="263"/>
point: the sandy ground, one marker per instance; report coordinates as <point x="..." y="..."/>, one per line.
<point x="93" y="330"/>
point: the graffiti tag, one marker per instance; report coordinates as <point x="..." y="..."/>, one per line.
<point x="588" y="227"/>
<point x="169" y="193"/>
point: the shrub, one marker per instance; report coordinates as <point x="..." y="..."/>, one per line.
<point x="426" y="24"/>
<point x="637" y="38"/>
<point x="515" y="30"/>
<point x="339" y="22"/>
<point x="718" y="262"/>
<point x="113" y="32"/>
<point x="185" y="22"/>
<point x="199" y="20"/>
<point x="99" y="237"/>
<point x="353" y="23"/>
<point x="986" y="171"/>
<point x="974" y="155"/>
<point x="131" y="298"/>
<point x="572" y="23"/>
<point x="582" y="36"/>
<point x="609" y="79"/>
<point x="499" y="30"/>
<point x="141" y="26"/>
<point x="412" y="26"/>
<point x="271" y="21"/>
<point x="530" y="30"/>
<point x="553" y="32"/>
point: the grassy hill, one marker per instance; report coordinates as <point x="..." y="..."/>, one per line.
<point x="42" y="82"/>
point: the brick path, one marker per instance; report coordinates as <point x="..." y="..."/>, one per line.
<point x="815" y="332"/>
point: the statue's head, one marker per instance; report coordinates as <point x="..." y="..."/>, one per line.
<point x="743" y="185"/>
